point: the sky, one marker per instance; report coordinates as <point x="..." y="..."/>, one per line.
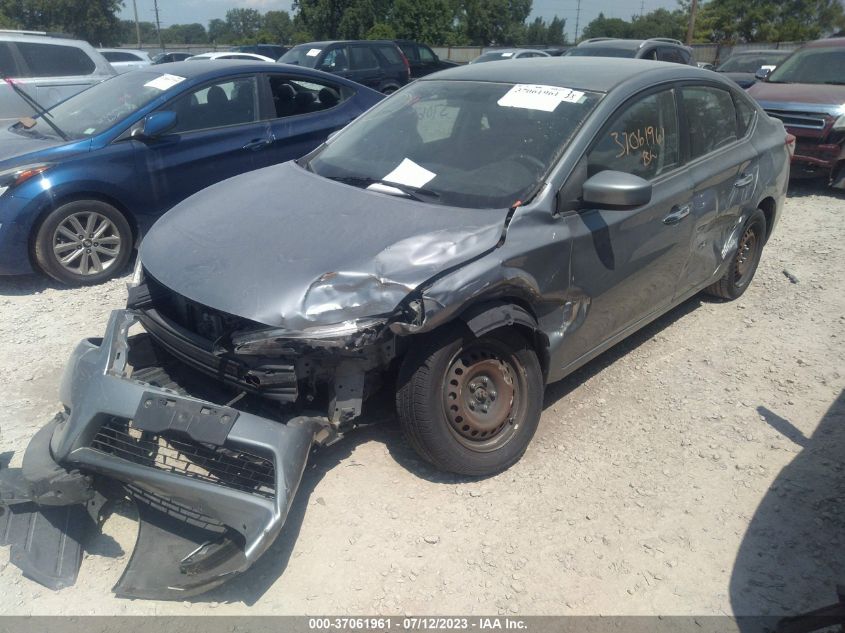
<point x="186" y="11"/>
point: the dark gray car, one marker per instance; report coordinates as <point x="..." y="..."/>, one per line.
<point x="482" y="233"/>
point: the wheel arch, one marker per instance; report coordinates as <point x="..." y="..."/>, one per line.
<point x="487" y="316"/>
<point x="769" y="208"/>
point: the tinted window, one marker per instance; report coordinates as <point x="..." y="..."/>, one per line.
<point x="642" y="140"/>
<point x="7" y="62"/>
<point x="114" y="56"/>
<point x="362" y="58"/>
<point x="669" y="54"/>
<point x="711" y="118"/>
<point x="410" y="51"/>
<point x="292" y="96"/>
<point x="750" y="63"/>
<point x="649" y="53"/>
<point x="812" y="66"/>
<point x="225" y="103"/>
<point x="597" y="51"/>
<point x="745" y="114"/>
<point x="55" y="60"/>
<point x="426" y="55"/>
<point x="391" y="54"/>
<point x="335" y="60"/>
<point x="302" y="55"/>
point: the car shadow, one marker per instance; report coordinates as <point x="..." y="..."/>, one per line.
<point x="804" y="188"/>
<point x="794" y="546"/>
<point x="21" y="285"/>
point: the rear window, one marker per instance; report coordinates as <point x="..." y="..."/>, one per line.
<point x="598" y="51"/>
<point x="391" y="54"/>
<point x="303" y="55"/>
<point x="7" y="62"/>
<point x="410" y="51"/>
<point x="55" y="60"/>
<point x="117" y="56"/>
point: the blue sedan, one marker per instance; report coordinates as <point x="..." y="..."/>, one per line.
<point x="80" y="185"/>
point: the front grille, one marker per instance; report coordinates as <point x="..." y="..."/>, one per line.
<point x="807" y="120"/>
<point x="229" y="467"/>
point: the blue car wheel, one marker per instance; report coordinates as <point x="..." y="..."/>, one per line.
<point x="83" y="242"/>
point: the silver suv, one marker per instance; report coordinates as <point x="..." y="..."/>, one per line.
<point x="664" y="49"/>
<point x="50" y="69"/>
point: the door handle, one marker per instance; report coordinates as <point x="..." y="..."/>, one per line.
<point x="258" y="144"/>
<point x="678" y="213"/>
<point x="744" y="180"/>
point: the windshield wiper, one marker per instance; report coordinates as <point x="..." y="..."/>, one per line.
<point x="417" y="193"/>
<point x="40" y="110"/>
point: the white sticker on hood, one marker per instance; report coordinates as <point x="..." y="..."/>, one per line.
<point x="164" y="82"/>
<point x="537" y="97"/>
<point x="313" y="52"/>
<point x="409" y="173"/>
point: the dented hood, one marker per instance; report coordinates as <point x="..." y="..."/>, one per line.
<point x="287" y="248"/>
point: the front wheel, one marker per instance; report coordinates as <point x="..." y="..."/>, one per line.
<point x="83" y="242"/>
<point x="744" y="263"/>
<point x="470" y="405"/>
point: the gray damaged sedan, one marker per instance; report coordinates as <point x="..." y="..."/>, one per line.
<point x="483" y="232"/>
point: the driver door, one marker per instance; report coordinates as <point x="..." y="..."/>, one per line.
<point x="628" y="262"/>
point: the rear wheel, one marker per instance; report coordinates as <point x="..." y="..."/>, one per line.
<point x="470" y="405"/>
<point x="83" y="242"/>
<point x="745" y="261"/>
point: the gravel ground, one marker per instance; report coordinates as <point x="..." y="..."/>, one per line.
<point x="696" y="468"/>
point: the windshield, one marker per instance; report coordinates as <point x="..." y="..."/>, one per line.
<point x="460" y="143"/>
<point x="812" y="66"/>
<point x="302" y="55"/>
<point x="600" y="51"/>
<point x="103" y="105"/>
<point x="751" y="63"/>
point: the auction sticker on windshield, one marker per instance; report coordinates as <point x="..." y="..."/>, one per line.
<point x="538" y="97"/>
<point x="313" y="52"/>
<point x="164" y="82"/>
<point x="409" y="173"/>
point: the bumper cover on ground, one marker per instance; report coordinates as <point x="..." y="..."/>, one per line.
<point x="210" y="501"/>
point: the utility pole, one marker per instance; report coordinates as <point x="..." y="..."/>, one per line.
<point x="137" y="23"/>
<point x="692" y="10"/>
<point x="642" y="8"/>
<point x="577" y="19"/>
<point x="158" y="25"/>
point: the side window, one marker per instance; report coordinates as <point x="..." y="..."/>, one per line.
<point x="292" y="96"/>
<point x="426" y="55"/>
<point x="8" y="68"/>
<point x="55" y="60"/>
<point x="436" y="120"/>
<point x="642" y="140"/>
<point x="362" y="58"/>
<point x="391" y="54"/>
<point x="409" y="50"/>
<point x="711" y="118"/>
<point x="115" y="56"/>
<point x="335" y="60"/>
<point x="669" y="54"/>
<point x="650" y="53"/>
<point x="745" y="114"/>
<point x="218" y="105"/>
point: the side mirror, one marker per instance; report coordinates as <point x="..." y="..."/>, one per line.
<point x="763" y="72"/>
<point x="616" y="190"/>
<point x="158" y="123"/>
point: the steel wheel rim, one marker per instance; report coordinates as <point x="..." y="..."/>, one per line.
<point x="86" y="243"/>
<point x="745" y="255"/>
<point x="481" y="396"/>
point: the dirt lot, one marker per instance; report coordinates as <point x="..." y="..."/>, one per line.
<point x="695" y="469"/>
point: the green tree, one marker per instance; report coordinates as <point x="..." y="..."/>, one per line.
<point x="93" y="20"/>
<point x="430" y="21"/>
<point x="555" y="33"/>
<point x="219" y="32"/>
<point x="6" y="22"/>
<point x="536" y="32"/>
<point x="499" y="22"/>
<point x="185" y="34"/>
<point x="768" y="20"/>
<point x="381" y="31"/>
<point x="277" y="27"/>
<point x="602" y="26"/>
<point x="243" y="24"/>
<point x="660" y="23"/>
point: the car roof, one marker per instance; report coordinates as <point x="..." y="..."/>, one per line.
<point x="122" y="50"/>
<point x="762" y="51"/>
<point x="827" y="43"/>
<point x="626" y="44"/>
<point x="597" y="74"/>
<point x="330" y="42"/>
<point x="43" y="38"/>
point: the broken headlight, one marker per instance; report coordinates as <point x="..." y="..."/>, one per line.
<point x="336" y="335"/>
<point x="16" y="176"/>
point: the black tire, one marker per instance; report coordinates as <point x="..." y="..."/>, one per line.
<point x="389" y="89"/>
<point x="431" y="401"/>
<point x="58" y="239"/>
<point x="744" y="263"/>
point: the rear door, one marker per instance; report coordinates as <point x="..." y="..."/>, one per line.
<point x="364" y="66"/>
<point x="724" y="168"/>
<point x="217" y="136"/>
<point x="628" y="262"/>
<point x="301" y="113"/>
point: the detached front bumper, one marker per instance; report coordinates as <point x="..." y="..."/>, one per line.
<point x="213" y="484"/>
